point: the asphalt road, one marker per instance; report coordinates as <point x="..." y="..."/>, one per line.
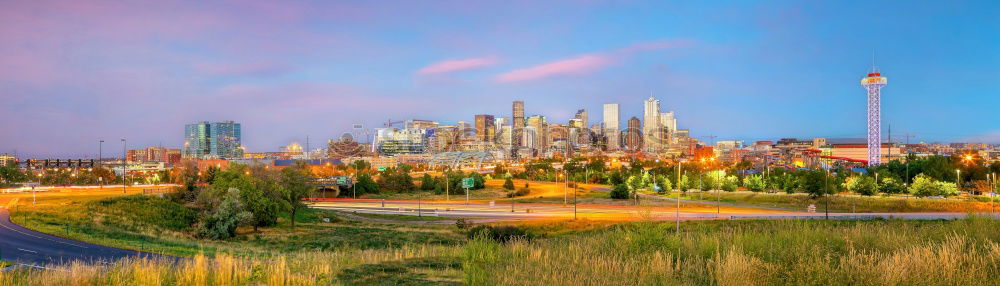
<point x="34" y="249"/>
<point x="537" y="211"/>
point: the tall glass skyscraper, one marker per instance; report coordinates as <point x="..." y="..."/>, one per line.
<point x="216" y="140"/>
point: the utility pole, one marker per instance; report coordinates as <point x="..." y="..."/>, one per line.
<point x="124" y="165"/>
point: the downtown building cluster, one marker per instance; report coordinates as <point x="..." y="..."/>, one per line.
<point x="523" y="136"/>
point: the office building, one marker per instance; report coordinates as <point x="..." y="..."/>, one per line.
<point x="517" y="119"/>
<point x="216" y="140"/>
<point x="611" y="126"/>
<point x="485" y="131"/>
<point x="539" y="127"/>
<point x="633" y="137"/>
<point x="420" y="124"/>
<point x="393" y="141"/>
<point x="651" y="125"/>
<point x="464" y="130"/>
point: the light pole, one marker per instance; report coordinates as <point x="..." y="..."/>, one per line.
<point x="565" y="194"/>
<point x="39" y="185"/>
<point x="100" y="164"/>
<point x="124" y="166"/>
<point x="677" y="213"/>
<point x="958" y="178"/>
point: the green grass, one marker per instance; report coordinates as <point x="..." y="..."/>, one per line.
<point x="843" y="203"/>
<point x="158" y="225"/>
<point x="415" y="271"/>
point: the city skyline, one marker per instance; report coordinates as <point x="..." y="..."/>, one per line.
<point x="787" y="70"/>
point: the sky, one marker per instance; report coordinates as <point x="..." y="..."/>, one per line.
<point x="75" y="72"/>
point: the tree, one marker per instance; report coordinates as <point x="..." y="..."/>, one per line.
<point x="619" y="192"/>
<point x="684" y="183"/>
<point x="754" y="183"/>
<point x="863" y="185"/>
<point x="508" y="184"/>
<point x="729" y="183"/>
<point x="366" y="185"/>
<point x="708" y="182"/>
<point x="891" y="185"/>
<point x="296" y="185"/>
<point x="221" y="223"/>
<point x="925" y="186"/>
<point x="814" y="182"/>
<point x="664" y="183"/>
<point x="258" y="193"/>
<point x="426" y="182"/>
<point x="10" y="175"/>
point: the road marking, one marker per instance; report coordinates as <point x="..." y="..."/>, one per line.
<point x="32" y="251"/>
<point x="35" y="236"/>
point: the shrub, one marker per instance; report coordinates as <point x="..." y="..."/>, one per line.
<point x="924" y="186"/>
<point x="620" y="192"/>
<point x="519" y="193"/>
<point x="729" y="183"/>
<point x="863" y="185"/>
<point x="502" y="234"/>
<point x="462" y="223"/>
<point x="754" y="183"/>
<point x="508" y="184"/>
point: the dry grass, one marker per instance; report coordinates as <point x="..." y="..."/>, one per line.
<point x="309" y="268"/>
<point x="750" y="253"/>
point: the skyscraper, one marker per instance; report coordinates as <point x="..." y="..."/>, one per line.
<point x="651" y="124"/>
<point x="219" y="140"/>
<point x="633" y="137"/>
<point x="464" y="130"/>
<point x="539" y="128"/>
<point x="611" y="126"/>
<point x="518" y="121"/>
<point x="484" y="127"/>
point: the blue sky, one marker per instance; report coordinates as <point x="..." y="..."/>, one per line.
<point x="74" y="72"/>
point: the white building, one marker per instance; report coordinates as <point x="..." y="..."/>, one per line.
<point x="612" y="126"/>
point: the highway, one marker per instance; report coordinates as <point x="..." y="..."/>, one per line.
<point x="34" y="249"/>
<point x="484" y="211"/>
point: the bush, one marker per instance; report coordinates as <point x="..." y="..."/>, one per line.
<point x="508" y="184"/>
<point x="519" y="193"/>
<point x="863" y="185"/>
<point x="620" y="192"/>
<point x="924" y="186"/>
<point x="427" y="183"/>
<point x="462" y="223"/>
<point x="754" y="183"/>
<point x="502" y="234"/>
<point x="729" y="183"/>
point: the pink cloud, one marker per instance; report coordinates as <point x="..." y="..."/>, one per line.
<point x="578" y="65"/>
<point x="450" y="66"/>
<point x="585" y="64"/>
<point x="238" y="69"/>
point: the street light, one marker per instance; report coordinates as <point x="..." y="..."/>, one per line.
<point x="124" y="166"/>
<point x="677" y="213"/>
<point x="958" y="178"/>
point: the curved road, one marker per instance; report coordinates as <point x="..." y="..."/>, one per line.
<point x="30" y="248"/>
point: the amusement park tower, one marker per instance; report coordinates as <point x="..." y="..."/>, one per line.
<point x="874" y="83"/>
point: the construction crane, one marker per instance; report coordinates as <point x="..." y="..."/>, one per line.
<point x="390" y="123"/>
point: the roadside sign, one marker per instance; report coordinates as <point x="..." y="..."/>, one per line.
<point x="341" y="180"/>
<point x="468" y="183"/>
<point x="380" y="169"/>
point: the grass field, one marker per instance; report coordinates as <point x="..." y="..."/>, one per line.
<point x="749" y="253"/>
<point x="357" y="252"/>
<point x="843" y="203"/>
<point x="158" y="225"/>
